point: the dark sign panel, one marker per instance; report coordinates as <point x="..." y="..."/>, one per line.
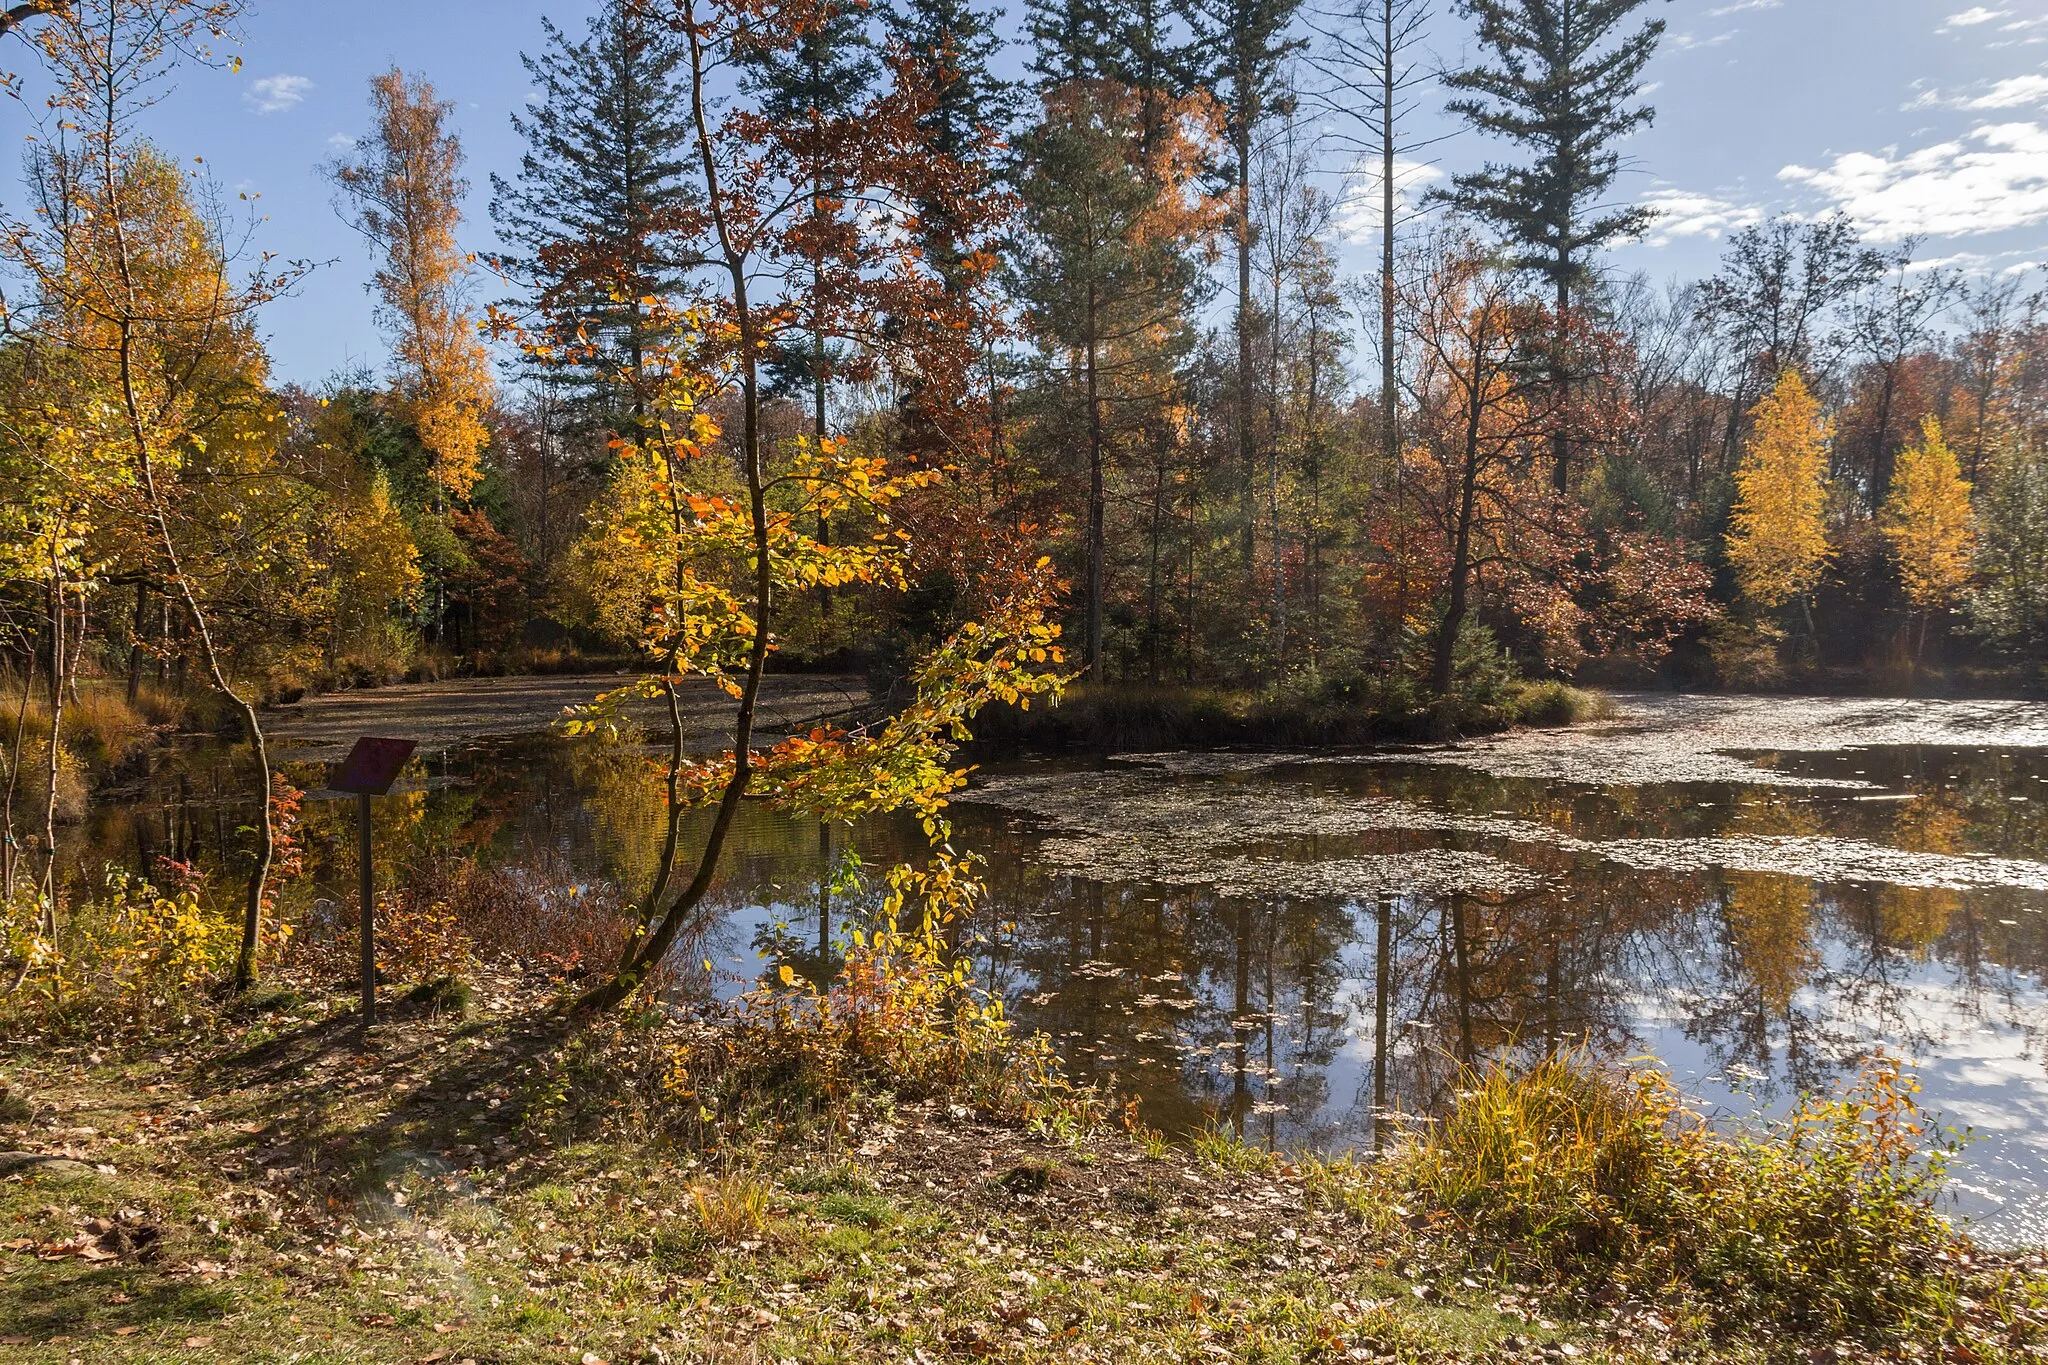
<point x="372" y="766"/>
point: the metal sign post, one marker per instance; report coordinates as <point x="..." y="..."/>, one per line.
<point x="369" y="770"/>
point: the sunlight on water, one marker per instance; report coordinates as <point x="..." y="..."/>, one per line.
<point x="1757" y="891"/>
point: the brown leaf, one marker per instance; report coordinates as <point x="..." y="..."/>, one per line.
<point x="197" y="1343"/>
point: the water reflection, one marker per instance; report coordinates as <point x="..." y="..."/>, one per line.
<point x="1305" y="949"/>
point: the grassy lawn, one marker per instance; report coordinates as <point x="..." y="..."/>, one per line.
<point x="268" y="1190"/>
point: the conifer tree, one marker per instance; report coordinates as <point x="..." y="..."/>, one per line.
<point x="824" y="74"/>
<point x="1561" y="83"/>
<point x="1777" y="537"/>
<point x="950" y="44"/>
<point x="595" y="221"/>
<point x="1251" y="43"/>
<point x="1105" y="269"/>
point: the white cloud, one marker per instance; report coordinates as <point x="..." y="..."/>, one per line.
<point x="1993" y="179"/>
<point x="1686" y="42"/>
<point x="275" y="94"/>
<point x="1973" y="16"/>
<point x="340" y="142"/>
<point x="2011" y="93"/>
<point x="1682" y="213"/>
<point x="1358" y="210"/>
<point x="1740" y="5"/>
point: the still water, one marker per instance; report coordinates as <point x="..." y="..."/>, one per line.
<point x="1757" y="892"/>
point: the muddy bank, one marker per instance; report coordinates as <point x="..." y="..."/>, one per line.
<point x="439" y="715"/>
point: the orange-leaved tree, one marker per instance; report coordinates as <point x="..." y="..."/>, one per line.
<point x="134" y="305"/>
<point x="405" y="182"/>
<point x="702" y="567"/>
<point x="1777" y="536"/>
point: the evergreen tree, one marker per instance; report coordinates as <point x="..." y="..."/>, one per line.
<point x="1106" y="272"/>
<point x="2010" y="604"/>
<point x="823" y="75"/>
<point x="949" y="43"/>
<point x="1562" y="84"/>
<point x="597" y="218"/>
<point x="1250" y="46"/>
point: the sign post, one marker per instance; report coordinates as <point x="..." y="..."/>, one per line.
<point x="369" y="770"/>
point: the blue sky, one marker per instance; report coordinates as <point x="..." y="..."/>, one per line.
<point x="1917" y="116"/>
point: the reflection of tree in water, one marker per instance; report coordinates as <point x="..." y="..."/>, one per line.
<point x="1242" y="1008"/>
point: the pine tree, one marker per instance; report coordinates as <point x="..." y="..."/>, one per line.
<point x="1927" y="520"/>
<point x="825" y="73"/>
<point x="950" y="44"/>
<point x="1777" y="537"/>
<point x="597" y="218"/>
<point x="1562" y="85"/>
<point x="1105" y="269"/>
<point x="2009" y="607"/>
<point x="1250" y="43"/>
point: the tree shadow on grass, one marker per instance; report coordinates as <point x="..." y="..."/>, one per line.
<point x="46" y="1299"/>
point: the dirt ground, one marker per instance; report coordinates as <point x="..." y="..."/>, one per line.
<point x="440" y="714"/>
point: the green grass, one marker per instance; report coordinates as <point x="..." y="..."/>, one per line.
<point x="310" y="1202"/>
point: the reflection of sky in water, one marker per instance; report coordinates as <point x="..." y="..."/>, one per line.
<point x="1715" y="881"/>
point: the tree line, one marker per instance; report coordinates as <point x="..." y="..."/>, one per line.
<point x="934" y="322"/>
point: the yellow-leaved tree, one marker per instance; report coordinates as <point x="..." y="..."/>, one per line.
<point x="406" y="184"/>
<point x="1777" y="535"/>
<point x="1927" y="519"/>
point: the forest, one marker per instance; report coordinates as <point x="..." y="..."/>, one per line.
<point x="1100" y="300"/>
<point x="1203" y="608"/>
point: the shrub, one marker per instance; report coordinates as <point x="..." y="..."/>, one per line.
<point x="130" y="950"/>
<point x="1821" y="1222"/>
<point x="902" y="1018"/>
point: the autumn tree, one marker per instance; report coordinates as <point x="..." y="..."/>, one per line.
<point x="1777" y="535"/>
<point x="404" y="183"/>
<point x="1478" y="402"/>
<point x="705" y="572"/>
<point x="136" y="304"/>
<point x="1779" y="284"/>
<point x="1927" y="520"/>
<point x="1892" y="323"/>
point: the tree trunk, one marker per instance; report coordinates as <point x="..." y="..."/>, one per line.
<point x="1247" y="446"/>
<point x="1461" y="559"/>
<point x="1093" y="643"/>
<point x="1382" y="989"/>
<point x="655" y="946"/>
<point x="136" y="650"/>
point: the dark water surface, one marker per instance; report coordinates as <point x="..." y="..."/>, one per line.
<point x="1759" y="892"/>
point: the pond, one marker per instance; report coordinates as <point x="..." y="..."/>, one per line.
<point x="1758" y="892"/>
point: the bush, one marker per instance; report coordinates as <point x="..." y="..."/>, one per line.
<point x="1822" y="1222"/>
<point x="1552" y="703"/>
<point x="130" y="951"/>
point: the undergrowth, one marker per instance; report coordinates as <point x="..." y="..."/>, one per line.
<point x="1821" y="1224"/>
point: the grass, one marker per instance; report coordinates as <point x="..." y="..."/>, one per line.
<point x="1123" y="718"/>
<point x="464" y="1189"/>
